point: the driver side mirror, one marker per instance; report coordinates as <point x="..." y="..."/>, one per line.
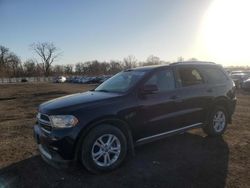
<point x="149" y="89"/>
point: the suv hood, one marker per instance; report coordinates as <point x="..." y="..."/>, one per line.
<point x="74" y="100"/>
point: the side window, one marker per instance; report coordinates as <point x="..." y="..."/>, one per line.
<point x="164" y="80"/>
<point x="215" y="76"/>
<point x="190" y="76"/>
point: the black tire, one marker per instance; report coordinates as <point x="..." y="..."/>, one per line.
<point x="210" y="128"/>
<point x="88" y="144"/>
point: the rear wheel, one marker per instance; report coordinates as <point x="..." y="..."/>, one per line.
<point x="103" y="149"/>
<point x="217" y="122"/>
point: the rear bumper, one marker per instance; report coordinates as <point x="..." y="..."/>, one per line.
<point x="49" y="150"/>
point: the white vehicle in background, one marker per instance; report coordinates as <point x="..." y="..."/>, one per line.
<point x="60" y="79"/>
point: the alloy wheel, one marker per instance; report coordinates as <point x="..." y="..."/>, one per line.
<point x="106" y="150"/>
<point x="219" y="121"/>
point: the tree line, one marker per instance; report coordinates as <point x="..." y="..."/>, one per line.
<point x="47" y="53"/>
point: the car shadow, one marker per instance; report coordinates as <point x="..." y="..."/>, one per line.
<point x="186" y="160"/>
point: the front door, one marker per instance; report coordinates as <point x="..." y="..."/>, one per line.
<point x="158" y="111"/>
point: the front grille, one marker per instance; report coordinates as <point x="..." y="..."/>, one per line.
<point x="44" y="122"/>
<point x="46" y="127"/>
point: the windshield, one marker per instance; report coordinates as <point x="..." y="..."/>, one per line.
<point x="121" y="82"/>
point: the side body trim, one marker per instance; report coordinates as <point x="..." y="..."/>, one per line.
<point x="165" y="134"/>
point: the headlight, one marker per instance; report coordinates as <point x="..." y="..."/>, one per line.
<point x="63" y="121"/>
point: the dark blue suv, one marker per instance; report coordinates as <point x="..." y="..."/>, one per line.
<point x="100" y="127"/>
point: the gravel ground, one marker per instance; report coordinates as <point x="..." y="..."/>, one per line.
<point x="187" y="160"/>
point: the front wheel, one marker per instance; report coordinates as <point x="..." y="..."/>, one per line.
<point x="217" y="122"/>
<point x="103" y="149"/>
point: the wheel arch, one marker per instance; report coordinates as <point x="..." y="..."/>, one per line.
<point x="222" y="102"/>
<point x="111" y="120"/>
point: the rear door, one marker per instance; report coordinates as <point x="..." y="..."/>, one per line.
<point x="195" y="95"/>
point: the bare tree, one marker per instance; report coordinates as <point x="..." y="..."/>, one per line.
<point x="68" y="69"/>
<point x="79" y="68"/>
<point x="39" y="69"/>
<point x="48" y="53"/>
<point x="58" y="70"/>
<point x="4" y="52"/>
<point x="30" y="68"/>
<point x="129" y="62"/>
<point x="114" y="67"/>
<point x="152" y="60"/>
<point x="14" y="65"/>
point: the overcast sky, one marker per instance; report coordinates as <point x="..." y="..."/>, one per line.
<point x="114" y="29"/>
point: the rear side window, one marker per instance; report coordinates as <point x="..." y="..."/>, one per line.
<point x="215" y="76"/>
<point x="190" y="76"/>
<point x="164" y="80"/>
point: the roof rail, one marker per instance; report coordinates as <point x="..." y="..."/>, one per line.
<point x="192" y="62"/>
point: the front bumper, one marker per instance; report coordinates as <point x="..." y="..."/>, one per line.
<point x="55" y="150"/>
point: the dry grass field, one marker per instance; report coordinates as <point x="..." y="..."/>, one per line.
<point x="187" y="160"/>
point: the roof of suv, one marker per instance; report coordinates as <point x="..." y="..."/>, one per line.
<point x="151" y="67"/>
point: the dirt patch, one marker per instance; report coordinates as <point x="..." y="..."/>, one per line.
<point x="50" y="93"/>
<point x="17" y="116"/>
<point x="187" y="160"/>
<point x="7" y="98"/>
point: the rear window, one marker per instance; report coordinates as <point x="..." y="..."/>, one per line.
<point x="189" y="77"/>
<point x="215" y="76"/>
